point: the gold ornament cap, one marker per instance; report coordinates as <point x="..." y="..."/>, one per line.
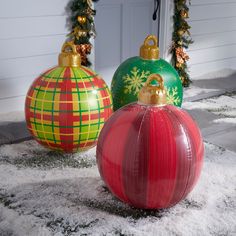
<point x="153" y="94"/>
<point x="69" y="56"/>
<point x="150" y="51"/>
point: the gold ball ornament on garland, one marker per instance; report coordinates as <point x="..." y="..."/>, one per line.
<point x="132" y="74"/>
<point x="82" y="33"/>
<point x="179" y="65"/>
<point x="180" y="43"/>
<point x="67" y="106"/>
<point x="82" y="19"/>
<point x="77" y="33"/>
<point x="181" y="32"/>
<point x="182" y="78"/>
<point x="184" y="14"/>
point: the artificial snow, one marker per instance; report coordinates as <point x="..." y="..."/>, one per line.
<point x="223" y="106"/>
<point x="64" y="195"/>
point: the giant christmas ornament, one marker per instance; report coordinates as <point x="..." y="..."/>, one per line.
<point x="66" y="106"/>
<point x="150" y="154"/>
<point x="131" y="75"/>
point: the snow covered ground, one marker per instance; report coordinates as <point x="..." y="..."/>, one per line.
<point x="44" y="193"/>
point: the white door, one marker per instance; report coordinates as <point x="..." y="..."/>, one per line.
<point x="122" y="26"/>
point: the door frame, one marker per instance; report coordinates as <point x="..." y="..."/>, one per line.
<point x="165" y="28"/>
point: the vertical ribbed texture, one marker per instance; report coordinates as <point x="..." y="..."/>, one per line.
<point x="135" y="163"/>
<point x="150" y="157"/>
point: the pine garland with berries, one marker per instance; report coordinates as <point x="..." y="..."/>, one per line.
<point x="81" y="17"/>
<point x="181" y="40"/>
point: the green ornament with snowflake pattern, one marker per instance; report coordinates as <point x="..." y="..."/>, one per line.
<point x="132" y="74"/>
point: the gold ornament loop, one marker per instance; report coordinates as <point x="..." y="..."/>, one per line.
<point x="150" y="51"/>
<point x="153" y="94"/>
<point x="69" y="56"/>
<point x="150" y="38"/>
<point x="155" y="77"/>
<point x="69" y="45"/>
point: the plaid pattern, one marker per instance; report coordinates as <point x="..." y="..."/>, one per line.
<point x="66" y="108"/>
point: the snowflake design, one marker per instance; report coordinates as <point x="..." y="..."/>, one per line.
<point x="172" y="96"/>
<point x="135" y="81"/>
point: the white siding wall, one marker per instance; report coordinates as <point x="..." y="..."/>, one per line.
<point x="214" y="32"/>
<point x="31" y="35"/>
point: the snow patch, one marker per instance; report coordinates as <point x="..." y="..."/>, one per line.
<point x="224" y="106"/>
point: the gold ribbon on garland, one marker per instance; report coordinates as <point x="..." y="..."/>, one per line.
<point x="90" y="3"/>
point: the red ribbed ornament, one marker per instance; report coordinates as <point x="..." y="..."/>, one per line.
<point x="149" y="154"/>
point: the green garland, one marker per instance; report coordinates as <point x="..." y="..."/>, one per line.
<point x="81" y="18"/>
<point x="181" y="40"/>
